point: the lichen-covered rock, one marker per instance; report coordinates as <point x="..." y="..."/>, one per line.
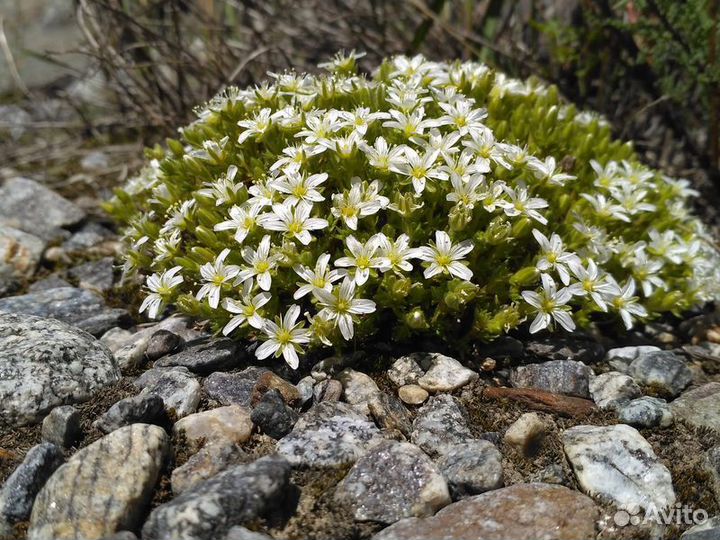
<point x="405" y="370"/>
<point x="234" y="497"/>
<point x="103" y="488"/>
<point x="517" y="512"/>
<point x="472" y="468"/>
<point x="557" y="376"/>
<point x="662" y="370"/>
<point x="45" y="363"/>
<point x="645" y="412"/>
<point x="440" y="425"/>
<point x="394" y="480"/>
<point x="616" y="464"/>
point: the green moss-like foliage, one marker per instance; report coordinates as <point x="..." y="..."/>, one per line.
<point x="431" y="198"/>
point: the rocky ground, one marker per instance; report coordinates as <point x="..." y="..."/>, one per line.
<point x="114" y="429"/>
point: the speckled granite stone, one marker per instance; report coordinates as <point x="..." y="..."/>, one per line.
<point x="45" y="363"/>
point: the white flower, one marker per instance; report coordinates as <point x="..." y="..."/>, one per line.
<point x="605" y="208"/>
<point x="419" y="169"/>
<point x="664" y="245"/>
<point x="224" y="189"/>
<point x="395" y="255"/>
<point x="521" y="203"/>
<point x="342" y="61"/>
<point x="216" y="274"/>
<point x="247" y="309"/>
<point x="553" y="255"/>
<point x="361" y="118"/>
<point x="263" y="194"/>
<point x="591" y="282"/>
<point x="462" y="117"/>
<point x="362" y="258"/>
<point x="445" y="258"/>
<point x="410" y="124"/>
<point x="242" y="219"/>
<point x="299" y="188"/>
<point x="606" y="177"/>
<point x="284" y="337"/>
<point x="483" y="145"/>
<point x="646" y="271"/>
<point x="343" y="146"/>
<point x="260" y="262"/>
<point x="550" y="305"/>
<point x="295" y="157"/>
<point x="547" y="170"/>
<point x="319" y="127"/>
<point x="257" y="126"/>
<point x="444" y="144"/>
<point x="626" y="304"/>
<point x="631" y="199"/>
<point x="160" y="285"/>
<point x="340" y="305"/>
<point x="467" y="191"/>
<point x="294" y="221"/>
<point x="320" y="278"/>
<point x="381" y="156"/>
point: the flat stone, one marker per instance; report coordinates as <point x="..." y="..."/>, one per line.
<point x="62" y="426"/>
<point x="700" y="407"/>
<point x="20" y="253"/>
<point x="389" y="413"/>
<point x="358" y="388"/>
<point x="440" y="425"/>
<point x="233" y="388"/>
<point x="645" y="412"/>
<point x="162" y="343"/>
<point x="552" y="474"/>
<point x="330" y="434"/>
<point x="472" y="468"/>
<point x="412" y="394"/>
<point x="558" y="348"/>
<point x="540" y="400"/>
<point x="621" y="357"/>
<point x="31" y="207"/>
<point x="241" y="533"/>
<point x="394" y="480"/>
<point x="520" y="512"/>
<point x="527" y="432"/>
<point x="94" y="275"/>
<point x="45" y="363"/>
<point x="238" y="495"/>
<point x="616" y="464"/>
<point x="22" y="486"/>
<point x="77" y="307"/>
<point x="663" y="370"/>
<point x="140" y="409"/>
<point x="445" y="374"/>
<point x="611" y="389"/>
<point x="270" y="381"/>
<point x="53" y="281"/>
<point x="273" y="416"/>
<point x="405" y="370"/>
<point x="178" y="388"/>
<point x="103" y="488"/>
<point x="231" y="424"/>
<point x="205" y="358"/>
<point x="557" y="376"/>
<point x="710" y="530"/>
<point x="210" y="460"/>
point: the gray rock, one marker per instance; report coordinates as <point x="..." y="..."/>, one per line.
<point x="103" y="488"/>
<point x="645" y="412"/>
<point x="556" y="376"/>
<point x="440" y="425"/>
<point x="205" y="358"/>
<point x="232" y="388"/>
<point x="328" y="390"/>
<point x="21" y="488"/>
<point x="273" y="416"/>
<point x="116" y="337"/>
<point x="709" y="530"/>
<point x="94" y="275"/>
<point x="88" y="236"/>
<point x="389" y="413"/>
<point x="45" y="363"/>
<point x="472" y="468"/>
<point x="445" y="374"/>
<point x="517" y="512"/>
<point x="616" y="464"/>
<point x="552" y="474"/>
<point x="358" y="388"/>
<point x="661" y="370"/>
<point x="122" y="535"/>
<point x="140" y="409"/>
<point x="621" y="357"/>
<point x="178" y="388"/>
<point x="20" y="253"/>
<point x="233" y="497"/>
<point x="241" y="533"/>
<point x="210" y="460"/>
<point x="162" y="343"/>
<point x="329" y="367"/>
<point x="330" y="434"/>
<point x="557" y="348"/>
<point x="270" y="381"/>
<point x="95" y="161"/>
<point x="700" y="407"/>
<point x="62" y="426"/>
<point x="77" y="307"/>
<point x="405" y="370"/>
<point x="305" y="389"/>
<point x="611" y="389"/>
<point x="712" y="467"/>
<point x="31" y="207"/>
<point x="394" y="480"/>
<point x="53" y="281"/>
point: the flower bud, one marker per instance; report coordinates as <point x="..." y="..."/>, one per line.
<point x="416" y="320"/>
<point x="525" y="276"/>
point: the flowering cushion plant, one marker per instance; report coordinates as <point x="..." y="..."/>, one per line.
<point x="441" y="198"/>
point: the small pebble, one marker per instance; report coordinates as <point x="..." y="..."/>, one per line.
<point x="412" y="394"/>
<point x="62" y="426"/>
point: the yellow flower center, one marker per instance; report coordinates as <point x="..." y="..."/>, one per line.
<point x="443" y="260"/>
<point x="284" y="337"/>
<point x="262" y="266"/>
